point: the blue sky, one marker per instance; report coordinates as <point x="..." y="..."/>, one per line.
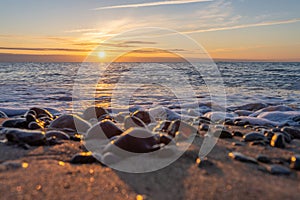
<point x="227" y="29"/>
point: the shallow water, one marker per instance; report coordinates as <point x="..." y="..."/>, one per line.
<point x="51" y="84"/>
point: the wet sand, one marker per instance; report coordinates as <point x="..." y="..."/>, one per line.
<point x="50" y="175"/>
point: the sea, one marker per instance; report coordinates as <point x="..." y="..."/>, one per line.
<point x="71" y="86"/>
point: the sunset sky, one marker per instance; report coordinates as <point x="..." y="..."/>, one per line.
<point x="68" y="30"/>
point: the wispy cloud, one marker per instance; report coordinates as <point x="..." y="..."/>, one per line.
<point x="270" y="23"/>
<point x="43" y="49"/>
<point x="157" y="3"/>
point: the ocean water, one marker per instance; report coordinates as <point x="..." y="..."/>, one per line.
<point x="26" y="85"/>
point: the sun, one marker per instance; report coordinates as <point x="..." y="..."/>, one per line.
<point x="101" y="54"/>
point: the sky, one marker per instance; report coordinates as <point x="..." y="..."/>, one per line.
<point x="149" y="30"/>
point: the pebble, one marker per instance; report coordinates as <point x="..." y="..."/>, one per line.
<point x="203" y="163"/>
<point x="34" y="138"/>
<point x="278" y="141"/>
<point x="203" y="127"/>
<point x="34" y="126"/>
<point x="223" y="134"/>
<point x="40" y="112"/>
<point x="94" y="112"/>
<point x="295" y="162"/>
<point x="131" y="121"/>
<point x="294" y="132"/>
<point x="73" y="122"/>
<point x="238" y="144"/>
<point x="249" y="137"/>
<point x="181" y="127"/>
<point x="238" y="134"/>
<point x="162" y="126"/>
<point x="258" y="143"/>
<point x="144" y="116"/>
<point x="165" y="139"/>
<point x="15" y="123"/>
<point x="103" y="130"/>
<point x="57" y="134"/>
<point x="241" y="157"/>
<point x="263" y="159"/>
<point x="83" y="158"/>
<point x="278" y="170"/>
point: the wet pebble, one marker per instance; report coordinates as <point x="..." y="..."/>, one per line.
<point x="223" y="134"/>
<point x="144" y="116"/>
<point x="83" y="158"/>
<point x="258" y="143"/>
<point x="278" y="170"/>
<point x="203" y="127"/>
<point x="242" y="158"/>
<point x="238" y="134"/>
<point x="57" y="134"/>
<point x="278" y="141"/>
<point x="131" y="121"/>
<point x="263" y="159"/>
<point x="74" y="122"/>
<point x="295" y="162"/>
<point x="105" y="129"/>
<point x="294" y="132"/>
<point x="238" y="144"/>
<point x="34" y="126"/>
<point x="162" y="126"/>
<point x="15" y="123"/>
<point x="249" y="137"/>
<point x="94" y="112"/>
<point x="181" y="127"/>
<point x="33" y="138"/>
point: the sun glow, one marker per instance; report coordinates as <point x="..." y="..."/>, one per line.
<point x="101" y="54"/>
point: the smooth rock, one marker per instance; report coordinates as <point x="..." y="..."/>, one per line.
<point x="15" y="123"/>
<point x="249" y="137"/>
<point x="131" y="121"/>
<point x="94" y="112"/>
<point x="134" y="140"/>
<point x="294" y="132"/>
<point x="181" y="127"/>
<point x="162" y="126"/>
<point x="144" y="116"/>
<point x="278" y="140"/>
<point x="263" y="159"/>
<point x="241" y="157"/>
<point x="105" y="129"/>
<point x="40" y="112"/>
<point x="203" y="127"/>
<point x="83" y="158"/>
<point x="278" y="170"/>
<point x="73" y="122"/>
<point x="33" y="138"/>
<point x="295" y="162"/>
<point x="238" y="134"/>
<point x="223" y="134"/>
<point x="57" y="134"/>
<point x="34" y="126"/>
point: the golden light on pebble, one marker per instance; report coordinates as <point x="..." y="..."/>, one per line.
<point x="198" y="161"/>
<point x="38" y="187"/>
<point x="139" y="197"/>
<point x="61" y="163"/>
<point x="86" y="153"/>
<point x="293" y="159"/>
<point x="25" y="165"/>
<point x="91" y="171"/>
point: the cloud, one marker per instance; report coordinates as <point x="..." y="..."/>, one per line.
<point x="131" y="43"/>
<point x="43" y="49"/>
<point x="157" y="3"/>
<point x="270" y="23"/>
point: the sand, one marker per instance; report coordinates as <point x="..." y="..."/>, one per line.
<point x="49" y="175"/>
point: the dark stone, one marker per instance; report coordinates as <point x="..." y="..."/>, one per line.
<point x="83" y="158"/>
<point x="106" y="117"/>
<point x="229" y="122"/>
<point x="30" y="118"/>
<point x="204" y="163"/>
<point x="223" y="134"/>
<point x="15" y="123"/>
<point x="165" y="139"/>
<point x="258" y="143"/>
<point x="131" y="121"/>
<point x="294" y="132"/>
<point x="34" y="126"/>
<point x="162" y="126"/>
<point x="73" y="122"/>
<point x="263" y="159"/>
<point x="238" y="144"/>
<point x="144" y="116"/>
<point x="278" y="140"/>
<point x="41" y="112"/>
<point x="57" y="134"/>
<point x="203" y="127"/>
<point x="34" y="138"/>
<point x="249" y="137"/>
<point x="135" y="140"/>
<point x="278" y="170"/>
<point x="295" y="162"/>
<point x="76" y="137"/>
<point x="182" y="127"/>
<point x="238" y="134"/>
<point x="242" y="158"/>
<point x="105" y="129"/>
<point x="269" y="135"/>
<point x="94" y="112"/>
